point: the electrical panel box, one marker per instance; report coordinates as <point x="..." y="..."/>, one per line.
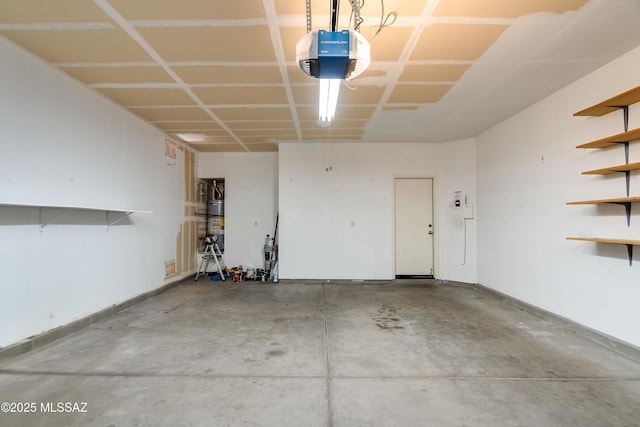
<point x="468" y="211"/>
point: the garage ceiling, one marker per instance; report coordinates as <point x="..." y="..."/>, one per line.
<point x="442" y="70"/>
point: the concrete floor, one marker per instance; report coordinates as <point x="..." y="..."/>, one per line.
<point x="403" y="353"/>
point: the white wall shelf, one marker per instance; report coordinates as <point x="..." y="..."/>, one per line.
<point x="67" y="209"/>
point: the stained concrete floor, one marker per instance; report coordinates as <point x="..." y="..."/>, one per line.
<point x="401" y="353"/>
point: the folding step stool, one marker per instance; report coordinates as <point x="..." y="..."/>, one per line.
<point x="212" y="251"/>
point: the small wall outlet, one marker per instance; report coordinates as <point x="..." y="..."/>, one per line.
<point x="468" y="211"/>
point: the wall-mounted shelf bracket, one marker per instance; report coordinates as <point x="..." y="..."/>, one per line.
<point x="628" y="243"/>
<point x="626" y="149"/>
<point x="122" y="217"/>
<point x="627" y="175"/>
<point x="43" y="224"/>
<point x="626" y="152"/>
<point x="623" y="201"/>
<point x="630" y="252"/>
<point x="627" y="208"/>
<point x="625" y="113"/>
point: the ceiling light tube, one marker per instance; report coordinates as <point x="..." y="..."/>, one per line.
<point x="329" y="91"/>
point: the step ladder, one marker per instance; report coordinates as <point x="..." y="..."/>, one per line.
<point x="211" y="252"/>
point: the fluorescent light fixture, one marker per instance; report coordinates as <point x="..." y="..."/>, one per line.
<point x="191" y="137"/>
<point x="329" y="91"/>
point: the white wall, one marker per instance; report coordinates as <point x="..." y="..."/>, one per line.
<point x="528" y="168"/>
<point x="63" y="144"/>
<point x="251" y="201"/>
<point x="325" y="188"/>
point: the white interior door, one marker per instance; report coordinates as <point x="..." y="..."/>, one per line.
<point x="414" y="226"/>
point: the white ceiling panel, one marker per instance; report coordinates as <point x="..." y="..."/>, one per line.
<point x="441" y="70"/>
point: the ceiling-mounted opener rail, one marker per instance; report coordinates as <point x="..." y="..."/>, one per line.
<point x="355" y="7"/>
<point x="335" y="7"/>
<point x="309" y="28"/>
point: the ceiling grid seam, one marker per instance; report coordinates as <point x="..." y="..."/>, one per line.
<point x="276" y="40"/>
<point x="104" y="64"/>
<point x="197" y="23"/>
<point x="429" y="7"/>
<point x="57" y="26"/>
<point x="137" y="37"/>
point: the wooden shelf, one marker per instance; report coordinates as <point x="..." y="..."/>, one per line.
<point x="613" y="169"/>
<point x="614" y="140"/>
<point x="607" y="240"/>
<point x="628" y="243"/>
<point x="624" y="201"/>
<point x="618" y="102"/>
<point x="612" y="104"/>
<point x="620" y="200"/>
